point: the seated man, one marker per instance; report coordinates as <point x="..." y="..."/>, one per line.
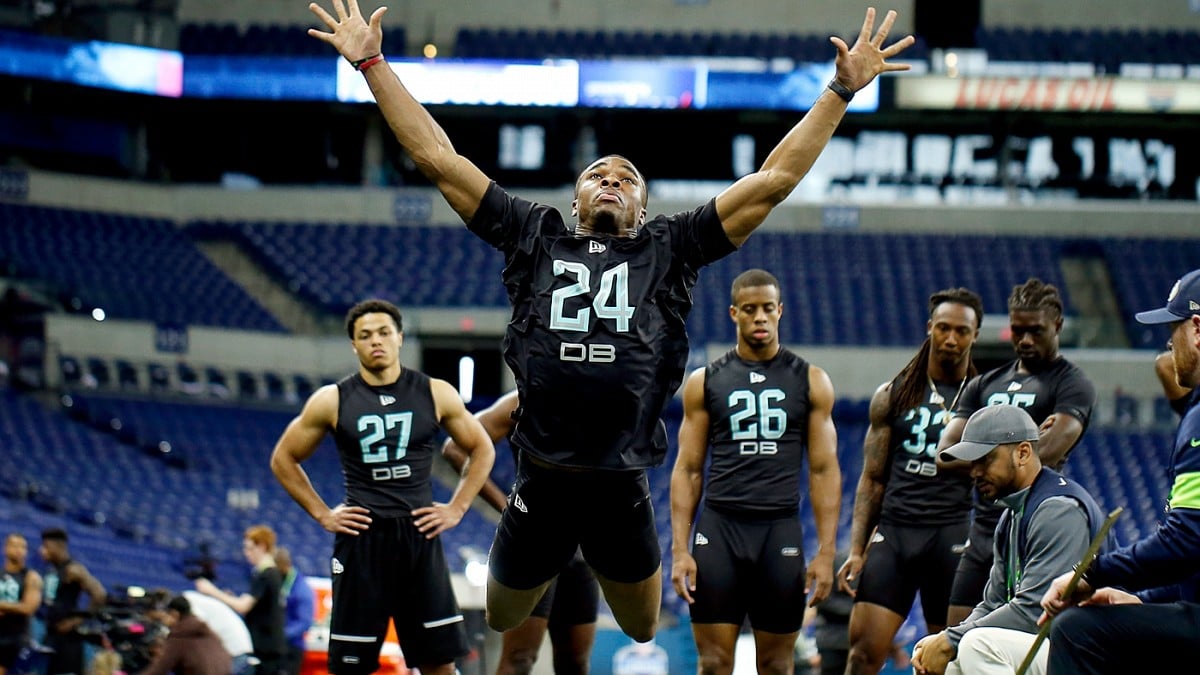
<point x="1047" y="525"/>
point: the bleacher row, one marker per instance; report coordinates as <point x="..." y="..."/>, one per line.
<point x="842" y="287"/>
<point x="1008" y="44"/>
<point x="103" y="374"/>
<point x="148" y="482"/>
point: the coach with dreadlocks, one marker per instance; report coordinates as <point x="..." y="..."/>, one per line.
<point x="908" y="515"/>
<point x="1046" y="386"/>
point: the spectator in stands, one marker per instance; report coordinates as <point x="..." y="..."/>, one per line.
<point x="298" y="610"/>
<point x="582" y="481"/>
<point x="66" y="580"/>
<point x="1141" y="602"/>
<point x="568" y="609"/>
<point x="20" y="597"/>
<point x="191" y="648"/>
<point x="752" y="420"/>
<point x="262" y="607"/>
<point x="908" y="516"/>
<point x="1047" y="525"/>
<point x="388" y="560"/>
<point x="1056" y="393"/>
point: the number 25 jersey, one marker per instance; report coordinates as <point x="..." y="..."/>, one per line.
<point x="597" y="340"/>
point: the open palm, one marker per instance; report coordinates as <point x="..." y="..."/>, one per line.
<point x="353" y="37"/>
<point x="858" y="65"/>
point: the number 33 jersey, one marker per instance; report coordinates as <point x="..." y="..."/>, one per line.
<point x="597" y="340"/>
<point x="758" y="433"/>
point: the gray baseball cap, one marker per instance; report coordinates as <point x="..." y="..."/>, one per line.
<point x="1182" y="302"/>
<point x="989" y="427"/>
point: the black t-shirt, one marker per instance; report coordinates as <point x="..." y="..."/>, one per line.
<point x="386" y="438"/>
<point x="1062" y="388"/>
<point x="60" y="597"/>
<point x="917" y="493"/>
<point x="758" y="433"/>
<point x="597" y="341"/>
<point x="265" y="618"/>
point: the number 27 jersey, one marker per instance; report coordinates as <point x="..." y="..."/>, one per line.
<point x="597" y="340"/>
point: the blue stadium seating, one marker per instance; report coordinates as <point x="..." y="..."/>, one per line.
<point x="132" y="267"/>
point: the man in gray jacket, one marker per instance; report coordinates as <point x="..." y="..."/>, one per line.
<point x="1048" y="522"/>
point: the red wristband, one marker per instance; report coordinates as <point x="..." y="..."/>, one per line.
<point x="362" y="67"/>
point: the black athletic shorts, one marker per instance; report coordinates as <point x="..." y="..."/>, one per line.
<point x="392" y="571"/>
<point x="976" y="564"/>
<point x="903" y="560"/>
<point x="10" y="649"/>
<point x="552" y="512"/>
<point x="573" y="598"/>
<point x="749" y="567"/>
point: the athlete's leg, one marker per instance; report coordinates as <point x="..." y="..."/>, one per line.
<point x="519" y="647"/>
<point x="573" y="618"/>
<point x="507" y="607"/>
<point x="715" y="643"/>
<point x="635" y="605"/>
<point x="872" y="629"/>
<point x="775" y="652"/>
<point x="572" y="647"/>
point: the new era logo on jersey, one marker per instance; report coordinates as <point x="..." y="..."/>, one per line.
<point x="877" y="537"/>
<point x="701" y="540"/>
<point x="385" y="399"/>
<point x="596" y="247"/>
<point x="336" y="566"/>
<point x="1193" y="305"/>
<point x="789" y="551"/>
<point x="1013" y="386"/>
<point x="755" y="378"/>
<point x="519" y="504"/>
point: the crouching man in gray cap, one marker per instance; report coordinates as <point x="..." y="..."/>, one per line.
<point x="1048" y="522"/>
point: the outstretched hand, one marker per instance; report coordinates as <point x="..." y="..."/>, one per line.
<point x="858" y="65"/>
<point x="353" y="37"/>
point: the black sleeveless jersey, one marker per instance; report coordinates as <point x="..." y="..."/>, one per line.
<point x="59" y="596"/>
<point x="757" y="434"/>
<point x="386" y="438"/>
<point x="597" y="341"/>
<point x="12" y="589"/>
<point x="1061" y="388"/>
<point x="917" y="493"/>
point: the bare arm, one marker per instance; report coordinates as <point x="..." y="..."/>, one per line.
<point x="868" y="497"/>
<point x="952" y="434"/>
<point x="299" y="441"/>
<point x="460" y="181"/>
<point x="498" y="423"/>
<point x="31" y="597"/>
<point x="744" y="205"/>
<point x="824" y="483"/>
<point x="77" y="573"/>
<point x="470" y="435"/>
<point x="687" y="482"/>
<point x="1056" y="440"/>
<point x="242" y="604"/>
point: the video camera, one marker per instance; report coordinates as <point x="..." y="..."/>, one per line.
<point x="126" y="624"/>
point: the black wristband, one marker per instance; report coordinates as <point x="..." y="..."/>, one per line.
<point x="841" y="90"/>
<point x="358" y="63"/>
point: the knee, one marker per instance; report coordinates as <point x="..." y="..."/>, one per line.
<point x="643" y="632"/>
<point x="776" y="664"/>
<point x="863" y="659"/>
<point x="500" y="621"/>
<point x="715" y="662"/>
